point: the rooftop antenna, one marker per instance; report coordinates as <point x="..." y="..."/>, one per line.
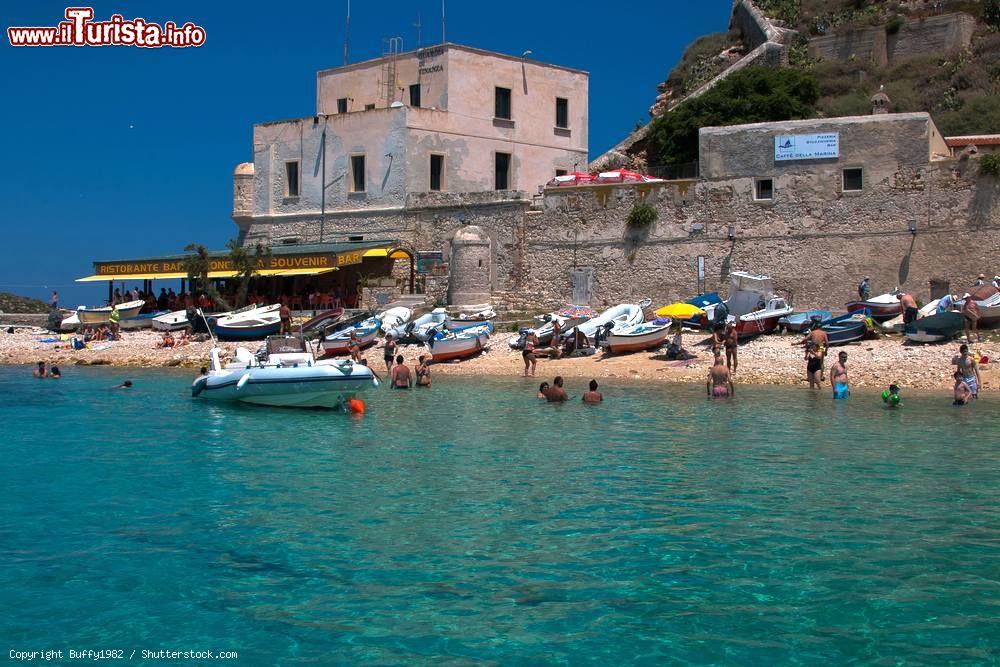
<point x="418" y="26"/>
<point x="443" y="40"/>
<point x="347" y="30"/>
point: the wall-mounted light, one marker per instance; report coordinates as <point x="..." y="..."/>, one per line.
<point x="913" y="226"/>
<point x="732" y="233"/>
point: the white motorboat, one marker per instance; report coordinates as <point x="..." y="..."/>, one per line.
<point x="747" y="292"/>
<point x="618" y="317"/>
<point x="545" y="325"/>
<point x="140" y="321"/>
<point x="339" y="341"/>
<point x="284" y="374"/>
<point x="395" y="317"/>
<point x="103" y="315"/>
<point x="637" y="337"/>
<point x="249" y="324"/>
<point x="422" y="328"/>
<point x="763" y="320"/>
<point x="174" y="321"/>
<point x="447" y="346"/>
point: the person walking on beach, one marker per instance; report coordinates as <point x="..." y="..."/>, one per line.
<point x="821" y="340"/>
<point x="40" y="372"/>
<point x="838" y="377"/>
<point x="556" y="393"/>
<point x="400" y="375"/>
<point x="970" y="311"/>
<point x="423" y="372"/>
<point x="528" y="353"/>
<point x="969" y="369"/>
<point x="593" y="397"/>
<point x="389" y="351"/>
<point x="909" y="305"/>
<point x="720" y="381"/>
<point x="556" y="331"/>
<point x="865" y="289"/>
<point x="354" y="347"/>
<point x="962" y="392"/>
<point x="718" y="339"/>
<point x="285" y="315"/>
<point x="814" y="364"/>
<point x="732" y="347"/>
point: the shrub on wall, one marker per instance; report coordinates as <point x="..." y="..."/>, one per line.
<point x="641" y="217"/>
<point x="990" y="165"/>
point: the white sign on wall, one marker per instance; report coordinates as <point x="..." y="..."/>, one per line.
<point x="806" y="146"/>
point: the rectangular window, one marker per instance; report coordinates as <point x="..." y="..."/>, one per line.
<point x="342" y="105"/>
<point x="853" y="180"/>
<point x="763" y="189"/>
<point x="562" y="112"/>
<point x="501" y="108"/>
<point x="437" y="169"/>
<point x="358" y="173"/>
<point x="502" y="179"/>
<point x="560" y="172"/>
<point x="369" y="107"/>
<point x="292" y="178"/>
<point x="415" y="95"/>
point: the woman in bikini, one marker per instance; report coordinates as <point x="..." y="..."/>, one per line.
<point x="423" y="372"/>
<point x="528" y="354"/>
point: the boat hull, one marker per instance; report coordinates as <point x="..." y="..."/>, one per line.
<point x="748" y="328"/>
<point x="171" y="321"/>
<point x="313" y="387"/>
<point x="935" y="328"/>
<point x="799" y="321"/>
<point x="255" y="332"/>
<point x="457" y="347"/>
<point x="845" y="329"/>
<point x="323" y="320"/>
<point x="144" y="321"/>
<point x="626" y="342"/>
<point x="103" y="315"/>
<point x="879" y="311"/>
<point x="338" y="343"/>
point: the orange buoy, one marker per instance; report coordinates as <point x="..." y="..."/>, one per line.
<point x="356" y="406"/>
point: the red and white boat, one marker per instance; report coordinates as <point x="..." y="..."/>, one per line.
<point x="764" y="320"/>
<point x="638" y="337"/>
<point x="882" y="307"/>
<point x="444" y="347"/>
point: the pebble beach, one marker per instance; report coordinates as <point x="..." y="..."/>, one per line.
<point x="768" y="360"/>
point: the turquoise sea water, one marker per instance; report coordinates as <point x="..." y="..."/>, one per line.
<point x="471" y="523"/>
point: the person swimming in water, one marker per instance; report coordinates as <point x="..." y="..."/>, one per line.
<point x="962" y="392"/>
<point x="54" y="373"/>
<point x="720" y="381"/>
<point x="127" y="384"/>
<point x="593" y="397"/>
<point x="890" y="396"/>
<point x="40" y="372"/>
<point x="542" y="389"/>
<point x="838" y="377"/>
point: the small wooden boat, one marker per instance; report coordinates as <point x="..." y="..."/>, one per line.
<point x="935" y="328"/>
<point x="895" y="325"/>
<point x="764" y="320"/>
<point x="638" y="337"/>
<point x="254" y="324"/>
<point x="799" y="321"/>
<point x="140" y="321"/>
<point x="845" y="328"/>
<point x="174" y="321"/>
<point x="459" y="325"/>
<point x="987" y="298"/>
<point x="287" y="376"/>
<point x="447" y="346"/>
<point x="323" y="320"/>
<point x="880" y="308"/>
<point x="462" y="320"/>
<point x="366" y="330"/>
<point x="103" y="315"/>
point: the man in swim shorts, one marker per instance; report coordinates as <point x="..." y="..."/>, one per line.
<point x="909" y="305"/>
<point x="401" y="376"/>
<point x="556" y="393"/>
<point x="962" y="392"/>
<point x="970" y="311"/>
<point x="969" y="369"/>
<point x="720" y="382"/>
<point x="838" y="377"/>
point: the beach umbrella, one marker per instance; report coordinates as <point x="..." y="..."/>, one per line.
<point x="680" y="311"/>
<point x="577" y="312"/>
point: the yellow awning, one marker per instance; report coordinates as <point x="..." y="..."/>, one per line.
<point x="152" y="276"/>
<point x="399" y="254"/>
<point x="294" y="272"/>
<point x="376" y="252"/>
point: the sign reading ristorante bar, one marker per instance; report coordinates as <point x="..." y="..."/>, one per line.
<point x="273" y="263"/>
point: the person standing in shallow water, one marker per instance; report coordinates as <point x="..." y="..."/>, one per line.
<point x="969" y="369"/>
<point x="962" y="392"/>
<point x="389" y="351"/>
<point x="593" y="397"/>
<point x="423" y="372"/>
<point x="732" y="347"/>
<point x="543" y="389"/>
<point x="838" y="377"/>
<point x="556" y="393"/>
<point x="401" y="376"/>
<point x="814" y="364"/>
<point x="720" y="381"/>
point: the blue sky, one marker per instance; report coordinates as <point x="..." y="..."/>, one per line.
<point x="121" y="152"/>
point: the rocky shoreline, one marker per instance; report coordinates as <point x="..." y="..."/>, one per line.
<point x="767" y="360"/>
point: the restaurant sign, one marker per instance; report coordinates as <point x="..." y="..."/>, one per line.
<point x="273" y="263"/>
<point x="806" y="146"/>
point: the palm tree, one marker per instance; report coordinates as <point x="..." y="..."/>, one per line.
<point x="197" y="266"/>
<point x="246" y="266"/>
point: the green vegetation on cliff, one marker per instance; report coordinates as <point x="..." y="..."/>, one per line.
<point x="12" y="303"/>
<point x="752" y="95"/>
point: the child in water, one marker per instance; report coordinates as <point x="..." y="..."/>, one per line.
<point x="962" y="391"/>
<point x="890" y="396"/>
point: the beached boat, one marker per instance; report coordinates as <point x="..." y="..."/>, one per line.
<point x="748" y="292"/>
<point x="253" y="324"/>
<point x="799" y="321"/>
<point x="70" y="322"/>
<point x="764" y="320"/>
<point x="140" y="321"/>
<point x="395" y="317"/>
<point x="458" y="325"/>
<point x="706" y="302"/>
<point x="170" y="321"/>
<point x="285" y="374"/>
<point x="987" y="298"/>
<point x="420" y="329"/>
<point x="322" y="321"/>
<point x="566" y="317"/>
<point x="446" y="346"/>
<point x="638" y="337"/>
<point x="880" y="308"/>
<point x="617" y="317"/>
<point x="366" y="330"/>
<point x="845" y="328"/>
<point x="935" y="328"/>
<point x="895" y="325"/>
<point x="462" y="320"/>
<point x="103" y="315"/>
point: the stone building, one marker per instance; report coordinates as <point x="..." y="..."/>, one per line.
<point x="976" y="143"/>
